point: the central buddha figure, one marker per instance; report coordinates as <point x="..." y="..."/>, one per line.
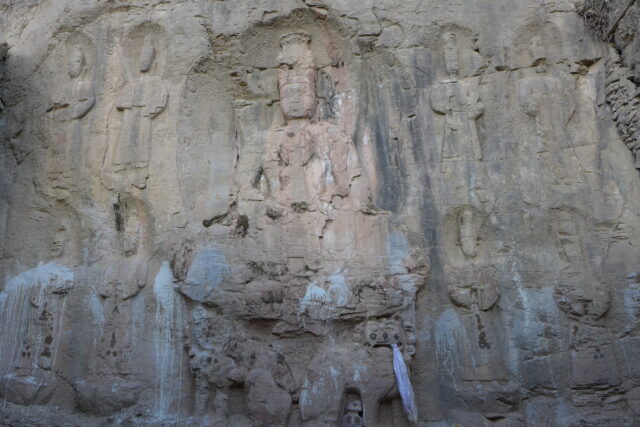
<point x="307" y="176"/>
<point x="306" y="164"/>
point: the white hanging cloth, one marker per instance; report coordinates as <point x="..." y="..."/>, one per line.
<point x="404" y="385"/>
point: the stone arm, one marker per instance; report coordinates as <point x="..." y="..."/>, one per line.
<point x="135" y="278"/>
<point x="157" y="101"/>
<point x="84" y="104"/>
<point x="476" y="110"/>
<point x="124" y="99"/>
<point x="438" y="99"/>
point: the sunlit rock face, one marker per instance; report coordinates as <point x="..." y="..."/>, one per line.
<point x="234" y="213"/>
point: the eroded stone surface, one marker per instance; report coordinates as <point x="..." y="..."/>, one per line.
<point x="227" y="213"/>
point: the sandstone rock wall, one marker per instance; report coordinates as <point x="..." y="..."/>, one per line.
<point x="232" y="212"/>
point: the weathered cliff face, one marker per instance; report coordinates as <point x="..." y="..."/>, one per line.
<point x="247" y="213"/>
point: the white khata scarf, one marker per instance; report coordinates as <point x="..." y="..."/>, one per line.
<point x="404" y="385"/>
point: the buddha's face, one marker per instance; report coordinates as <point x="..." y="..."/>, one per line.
<point x="297" y="100"/>
<point x="354" y="406"/>
<point x="537" y="50"/>
<point x="451" y="55"/>
<point x="76" y="63"/>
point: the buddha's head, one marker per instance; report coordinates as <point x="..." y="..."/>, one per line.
<point x="76" y="62"/>
<point x="452" y="62"/>
<point x="147" y="55"/>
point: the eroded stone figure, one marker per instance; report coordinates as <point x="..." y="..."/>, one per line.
<point x="112" y="366"/>
<point x="352" y="415"/>
<point x="547" y="107"/>
<point x="581" y="294"/>
<point x="75" y="101"/>
<point x="306" y="163"/>
<point x="139" y="103"/>
<point x="221" y="361"/>
<point x="122" y="281"/>
<point x="309" y="174"/>
<point x="32" y="308"/>
<point x="459" y="102"/>
<point x="474" y="289"/>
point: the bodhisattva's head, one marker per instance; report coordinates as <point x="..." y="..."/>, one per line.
<point x="451" y="59"/>
<point x="147" y="56"/>
<point x="537" y="50"/>
<point x="297" y="76"/>
<point x="297" y="93"/>
<point x="76" y="62"/>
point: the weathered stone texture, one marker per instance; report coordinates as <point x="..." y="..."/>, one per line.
<point x="229" y="213"/>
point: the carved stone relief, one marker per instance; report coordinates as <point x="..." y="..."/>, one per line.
<point x="112" y="367"/>
<point x="310" y="196"/>
<point x="474" y="288"/>
<point x="67" y="110"/>
<point x="581" y="294"/>
<point x="34" y="302"/>
<point x="547" y="107"/>
<point x="308" y="181"/>
<point x="138" y="104"/>
<point x="459" y="102"/>
<point x="281" y="168"/>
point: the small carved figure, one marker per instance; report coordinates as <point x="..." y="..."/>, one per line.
<point x="32" y="310"/>
<point x="72" y="105"/>
<point x="121" y="282"/>
<point x="352" y="416"/>
<point x="460" y="103"/>
<point x="59" y="241"/>
<point x="548" y="106"/>
<point x="140" y="101"/>
<point x="537" y="50"/>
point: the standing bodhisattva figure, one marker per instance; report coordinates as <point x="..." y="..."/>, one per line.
<point x="140" y="101"/>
